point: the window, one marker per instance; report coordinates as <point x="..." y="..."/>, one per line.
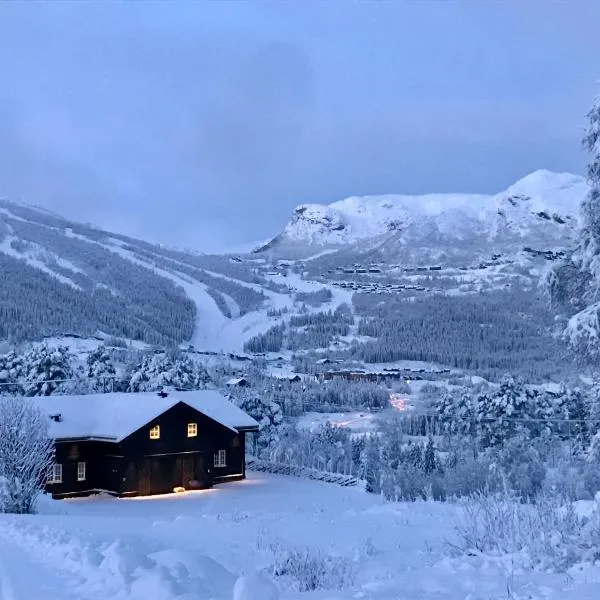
<point x="55" y="473"/>
<point x="220" y="459"/>
<point x="80" y="471"/>
<point x="192" y="429"/>
<point x="155" y="433"/>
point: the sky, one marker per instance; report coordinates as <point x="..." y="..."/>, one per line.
<point x="204" y="124"/>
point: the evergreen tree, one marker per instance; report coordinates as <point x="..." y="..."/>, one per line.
<point x="269" y="417"/>
<point x="573" y="285"/>
<point x="101" y="371"/>
<point x="11" y="372"/>
<point x="167" y="371"/>
<point x="429" y="458"/>
<point x="46" y="370"/>
<point x="372" y="466"/>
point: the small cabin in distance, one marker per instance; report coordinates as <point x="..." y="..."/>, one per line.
<point x="140" y="444"/>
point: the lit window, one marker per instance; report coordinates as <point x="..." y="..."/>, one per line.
<point x="155" y="433"/>
<point x="80" y="471"/>
<point x="220" y="459"/>
<point x="55" y="473"/>
<point x="192" y="429"/>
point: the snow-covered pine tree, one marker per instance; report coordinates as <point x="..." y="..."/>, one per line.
<point x="591" y="205"/>
<point x="167" y="371"/>
<point x="269" y="417"/>
<point x="500" y="413"/>
<point x="371" y="469"/>
<point x="574" y="284"/>
<point x="189" y="374"/>
<point x="101" y="370"/>
<point x="429" y="458"/>
<point x="46" y="370"/>
<point x="11" y="372"/>
<point x="456" y="411"/>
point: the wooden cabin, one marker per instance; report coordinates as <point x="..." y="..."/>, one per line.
<point x="139" y="444"/>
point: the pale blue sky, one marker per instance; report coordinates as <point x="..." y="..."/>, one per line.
<point x="205" y="123"/>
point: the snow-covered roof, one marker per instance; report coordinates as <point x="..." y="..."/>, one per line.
<point x="117" y="415"/>
<point x="236" y="381"/>
<point x="286" y="376"/>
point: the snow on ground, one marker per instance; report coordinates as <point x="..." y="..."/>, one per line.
<point x="357" y="422"/>
<point x="216" y="332"/>
<point x="196" y="544"/>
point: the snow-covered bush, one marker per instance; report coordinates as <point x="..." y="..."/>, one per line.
<point x="312" y="569"/>
<point x="521" y="464"/>
<point x="26" y="453"/>
<point x="548" y="534"/>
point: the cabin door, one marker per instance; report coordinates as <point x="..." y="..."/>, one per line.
<point x="164" y="477"/>
<point x="187" y="471"/>
<point x="201" y="471"/>
<point x="144" y="477"/>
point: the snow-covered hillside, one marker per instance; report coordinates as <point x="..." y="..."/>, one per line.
<point x="542" y="205"/>
<point x="62" y="277"/>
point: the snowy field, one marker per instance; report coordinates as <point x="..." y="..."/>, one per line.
<point x="357" y="422"/>
<point x="194" y="545"/>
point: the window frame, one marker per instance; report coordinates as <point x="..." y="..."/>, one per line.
<point x="220" y="458"/>
<point x="192" y="430"/>
<point x="154" y="432"/>
<point x="81" y="470"/>
<point x="56" y="473"/>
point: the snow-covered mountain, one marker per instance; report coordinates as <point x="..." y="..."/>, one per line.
<point x="61" y="277"/>
<point x="542" y="207"/>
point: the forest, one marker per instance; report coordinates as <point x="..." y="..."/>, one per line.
<point x="490" y="333"/>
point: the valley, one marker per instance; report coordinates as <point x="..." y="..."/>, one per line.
<point x="385" y="365"/>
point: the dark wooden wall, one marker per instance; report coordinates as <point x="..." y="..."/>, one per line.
<point x="102" y="472"/>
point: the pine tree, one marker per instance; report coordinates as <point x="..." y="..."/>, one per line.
<point x="372" y="466"/>
<point x="269" y="416"/>
<point x="167" y="371"/>
<point x="414" y="455"/>
<point x="11" y="373"/>
<point x="591" y="206"/>
<point x="573" y="285"/>
<point x="46" y="370"/>
<point x="429" y="458"/>
<point x="101" y="371"/>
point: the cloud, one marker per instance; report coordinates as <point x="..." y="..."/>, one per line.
<point x="204" y="125"/>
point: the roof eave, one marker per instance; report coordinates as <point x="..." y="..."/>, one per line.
<point x="86" y="438"/>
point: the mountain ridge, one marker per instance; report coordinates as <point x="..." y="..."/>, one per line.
<point x="539" y="201"/>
